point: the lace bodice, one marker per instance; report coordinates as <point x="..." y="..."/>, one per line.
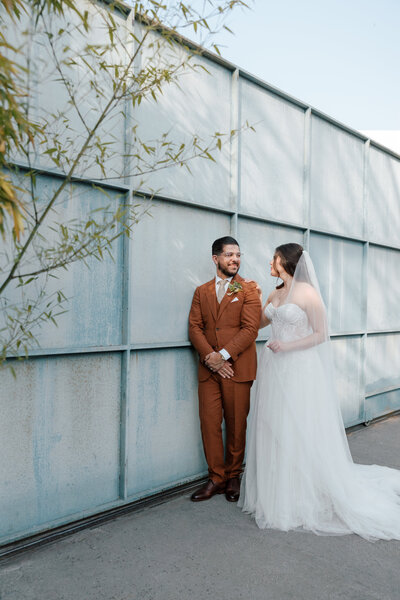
<point x="288" y="322"/>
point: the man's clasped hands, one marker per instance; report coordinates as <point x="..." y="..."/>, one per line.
<point x="217" y="364"/>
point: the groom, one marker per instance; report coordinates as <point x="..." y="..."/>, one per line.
<point x="223" y="326"/>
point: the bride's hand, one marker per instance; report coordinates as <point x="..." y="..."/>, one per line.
<point x="259" y="290"/>
<point x="277" y="346"/>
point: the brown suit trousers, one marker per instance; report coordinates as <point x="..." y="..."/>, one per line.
<point x="223" y="398"/>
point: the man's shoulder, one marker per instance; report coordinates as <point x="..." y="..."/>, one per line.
<point x="246" y="285"/>
<point x="204" y="286"/>
<point x="243" y="281"/>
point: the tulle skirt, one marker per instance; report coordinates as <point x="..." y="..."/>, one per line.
<point x="299" y="471"/>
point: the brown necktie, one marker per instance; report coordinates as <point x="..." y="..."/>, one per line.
<point x="221" y="290"/>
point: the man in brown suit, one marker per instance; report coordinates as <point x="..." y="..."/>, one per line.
<point x="223" y="325"/>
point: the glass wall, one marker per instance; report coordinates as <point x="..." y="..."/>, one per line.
<point x="105" y="411"/>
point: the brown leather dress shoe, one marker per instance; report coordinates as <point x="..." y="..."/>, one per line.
<point x="207" y="491"/>
<point x="232" y="491"/>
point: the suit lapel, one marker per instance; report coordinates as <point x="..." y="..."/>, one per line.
<point x="212" y="298"/>
<point x="227" y="299"/>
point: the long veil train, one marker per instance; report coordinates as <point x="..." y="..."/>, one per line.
<point x="299" y="470"/>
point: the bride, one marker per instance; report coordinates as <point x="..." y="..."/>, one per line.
<point x="299" y="471"/>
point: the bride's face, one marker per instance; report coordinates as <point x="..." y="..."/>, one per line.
<point x="276" y="266"/>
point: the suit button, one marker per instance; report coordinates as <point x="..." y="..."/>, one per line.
<point x="217" y="329"/>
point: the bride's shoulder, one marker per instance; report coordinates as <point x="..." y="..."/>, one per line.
<point x="305" y="287"/>
<point x="305" y="290"/>
<point x="272" y="297"/>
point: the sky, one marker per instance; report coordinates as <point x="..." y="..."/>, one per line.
<point x="340" y="56"/>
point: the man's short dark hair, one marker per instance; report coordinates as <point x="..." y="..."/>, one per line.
<point x="218" y="245"/>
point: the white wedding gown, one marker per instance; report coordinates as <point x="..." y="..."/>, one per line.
<point x="299" y="471"/>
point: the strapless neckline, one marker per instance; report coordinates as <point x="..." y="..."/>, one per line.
<point x="285" y="304"/>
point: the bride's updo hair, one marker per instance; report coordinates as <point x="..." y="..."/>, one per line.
<point x="290" y="255"/>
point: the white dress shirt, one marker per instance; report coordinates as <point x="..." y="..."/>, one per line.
<point x="225" y="353"/>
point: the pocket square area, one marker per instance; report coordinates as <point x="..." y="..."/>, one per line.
<point x="235" y="300"/>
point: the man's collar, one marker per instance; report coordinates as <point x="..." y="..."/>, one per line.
<point x="217" y="278"/>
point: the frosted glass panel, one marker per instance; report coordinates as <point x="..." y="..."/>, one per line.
<point x="337" y="163"/>
<point x="384" y="198"/>
<point x="272" y="157"/>
<point x="51" y="101"/>
<point x="164" y="429"/>
<point x="59" y="437"/>
<point x="383" y="288"/>
<point x="177" y="258"/>
<point x="383" y="362"/>
<point x="200" y="106"/>
<point x="348" y="365"/>
<point x="93" y="290"/>
<point x="339" y="266"/>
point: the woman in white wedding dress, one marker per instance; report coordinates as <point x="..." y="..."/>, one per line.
<point x="299" y="471"/>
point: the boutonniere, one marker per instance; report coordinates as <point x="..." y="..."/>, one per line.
<point x="234" y="288"/>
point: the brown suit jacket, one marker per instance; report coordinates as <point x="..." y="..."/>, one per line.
<point x="232" y="325"/>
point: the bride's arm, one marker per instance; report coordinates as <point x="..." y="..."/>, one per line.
<point x="264" y="321"/>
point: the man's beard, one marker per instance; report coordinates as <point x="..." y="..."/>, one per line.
<point x="226" y="272"/>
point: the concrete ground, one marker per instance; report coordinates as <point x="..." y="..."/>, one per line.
<point x="181" y="550"/>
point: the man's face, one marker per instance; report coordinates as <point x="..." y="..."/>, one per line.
<point x="228" y="262"/>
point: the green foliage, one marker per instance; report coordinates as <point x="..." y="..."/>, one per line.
<point x="234" y="288"/>
<point x="142" y="51"/>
